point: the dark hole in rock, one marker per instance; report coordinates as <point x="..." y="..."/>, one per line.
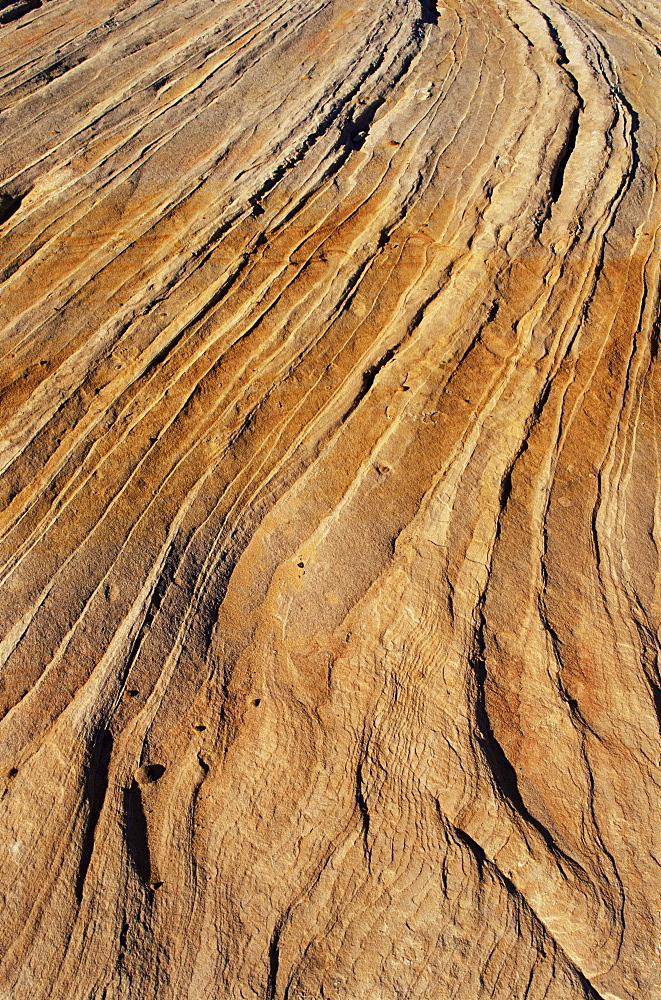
<point x="9" y="204"/>
<point x="149" y="773"/>
<point x="429" y="11"/>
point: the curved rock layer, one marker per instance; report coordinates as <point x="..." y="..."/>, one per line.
<point x="330" y="512"/>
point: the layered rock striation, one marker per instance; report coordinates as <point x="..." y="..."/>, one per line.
<point x="330" y="522"/>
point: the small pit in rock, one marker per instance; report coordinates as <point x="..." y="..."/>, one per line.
<point x="149" y="773"/>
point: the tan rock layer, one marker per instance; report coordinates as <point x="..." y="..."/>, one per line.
<point x="330" y="499"/>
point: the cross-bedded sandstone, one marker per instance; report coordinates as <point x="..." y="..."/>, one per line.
<point x="329" y="536"/>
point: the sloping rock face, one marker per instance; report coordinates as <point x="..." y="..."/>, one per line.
<point x="330" y="500"/>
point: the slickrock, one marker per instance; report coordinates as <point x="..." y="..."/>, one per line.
<point x="331" y="504"/>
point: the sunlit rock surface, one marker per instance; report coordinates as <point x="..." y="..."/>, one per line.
<point x="330" y="500"/>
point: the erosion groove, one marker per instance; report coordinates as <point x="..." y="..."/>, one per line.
<point x="330" y="500"/>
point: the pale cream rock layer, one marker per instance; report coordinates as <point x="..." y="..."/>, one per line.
<point x="330" y="522"/>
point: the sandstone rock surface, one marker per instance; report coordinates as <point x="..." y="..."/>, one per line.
<point x="329" y="540"/>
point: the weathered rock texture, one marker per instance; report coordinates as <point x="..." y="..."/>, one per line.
<point x="331" y="510"/>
